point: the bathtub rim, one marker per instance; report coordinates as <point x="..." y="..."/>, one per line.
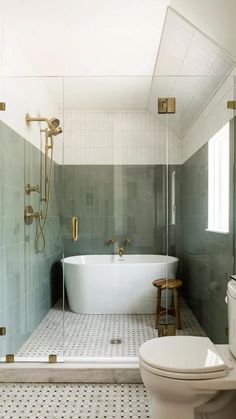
<point x="169" y="260"/>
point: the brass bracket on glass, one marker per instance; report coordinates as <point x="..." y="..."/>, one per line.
<point x="10" y="358"/>
<point x="30" y="214"/>
<point x="166" y="330"/>
<point x="3" y="331"/>
<point x="231" y="104"/>
<point x="2" y="106"/>
<point x="74" y="229"/>
<point x="166" y="105"/>
<point x="52" y="359"/>
<point x="29" y="188"/>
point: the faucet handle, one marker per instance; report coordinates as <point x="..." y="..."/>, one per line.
<point x="112" y="241"/>
<point x="129" y="241"/>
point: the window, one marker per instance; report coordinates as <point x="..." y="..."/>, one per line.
<point x="218" y="181"/>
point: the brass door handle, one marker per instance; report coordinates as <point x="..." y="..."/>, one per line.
<point x="74" y="229"/>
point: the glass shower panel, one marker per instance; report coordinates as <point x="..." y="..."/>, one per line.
<point x="197" y="70"/>
<point x="205" y="254"/>
<point x="31" y="238"/>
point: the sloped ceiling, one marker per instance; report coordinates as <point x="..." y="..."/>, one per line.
<point x="190" y="67"/>
<point x="215" y="18"/>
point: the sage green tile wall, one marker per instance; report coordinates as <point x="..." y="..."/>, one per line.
<point x="89" y="195"/>
<point x="120" y="201"/>
<point x="25" y="285"/>
<point x="12" y="274"/>
<point x="206" y="256"/>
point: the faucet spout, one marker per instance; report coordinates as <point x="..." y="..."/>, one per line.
<point x="121" y="251"/>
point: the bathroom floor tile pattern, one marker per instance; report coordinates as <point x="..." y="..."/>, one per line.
<point x="89" y="335"/>
<point x="73" y="401"/>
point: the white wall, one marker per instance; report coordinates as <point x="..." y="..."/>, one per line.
<point x="116" y="137"/>
<point x="216" y="18"/>
<point x="22" y="94"/>
<point x="212" y="118"/>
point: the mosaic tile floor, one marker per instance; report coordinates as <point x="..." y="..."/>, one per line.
<point x="89" y="335"/>
<point x="73" y="401"/>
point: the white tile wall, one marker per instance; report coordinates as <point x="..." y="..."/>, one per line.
<point x="117" y="137"/>
<point x="22" y="91"/>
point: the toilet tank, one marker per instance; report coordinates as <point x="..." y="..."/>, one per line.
<point x="231" y="299"/>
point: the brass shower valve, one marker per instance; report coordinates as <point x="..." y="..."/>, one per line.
<point x="30" y="214"/>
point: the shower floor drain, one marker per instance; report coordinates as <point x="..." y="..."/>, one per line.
<point x="115" y="341"/>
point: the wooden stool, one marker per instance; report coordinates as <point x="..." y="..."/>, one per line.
<point x="168" y="284"/>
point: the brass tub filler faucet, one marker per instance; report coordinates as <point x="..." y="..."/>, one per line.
<point x="121" y="249"/>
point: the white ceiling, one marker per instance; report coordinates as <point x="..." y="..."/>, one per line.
<point x="88" y="37"/>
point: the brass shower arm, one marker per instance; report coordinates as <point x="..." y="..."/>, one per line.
<point x="52" y="123"/>
<point x="29" y="119"/>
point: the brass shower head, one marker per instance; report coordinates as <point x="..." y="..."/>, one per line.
<point x="53" y="124"/>
<point x="54" y="131"/>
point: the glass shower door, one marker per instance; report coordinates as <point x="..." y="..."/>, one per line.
<point x="115" y="184"/>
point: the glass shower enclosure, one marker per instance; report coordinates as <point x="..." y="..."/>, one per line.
<point x="137" y="181"/>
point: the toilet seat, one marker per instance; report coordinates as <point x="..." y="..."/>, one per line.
<point x="183" y="357"/>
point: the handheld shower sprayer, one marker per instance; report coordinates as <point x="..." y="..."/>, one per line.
<point x="53" y="128"/>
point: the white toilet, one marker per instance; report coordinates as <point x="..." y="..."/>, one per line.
<point x="184" y="372"/>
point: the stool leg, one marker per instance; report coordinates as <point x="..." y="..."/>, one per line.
<point x="158" y="308"/>
<point x="177" y="311"/>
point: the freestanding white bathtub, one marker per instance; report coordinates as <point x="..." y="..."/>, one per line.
<point x="110" y="284"/>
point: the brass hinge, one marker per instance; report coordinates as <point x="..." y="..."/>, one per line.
<point x="166" y="105"/>
<point x="3" y="331"/>
<point x="10" y="358"/>
<point x="2" y="106"/>
<point x="166" y="330"/>
<point x="231" y="104"/>
<point x="52" y="359"/>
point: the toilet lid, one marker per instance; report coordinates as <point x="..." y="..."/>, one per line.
<point x="182" y="354"/>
